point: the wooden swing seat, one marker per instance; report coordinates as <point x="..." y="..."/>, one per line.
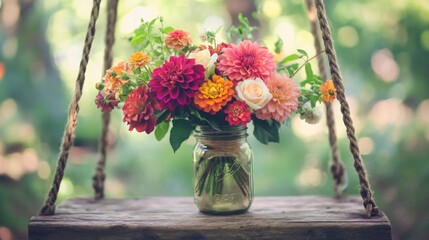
<point x="303" y="217"/>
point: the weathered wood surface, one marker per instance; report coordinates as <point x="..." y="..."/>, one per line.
<point x="307" y="217"/>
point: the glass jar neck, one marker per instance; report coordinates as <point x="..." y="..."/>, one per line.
<point x="226" y="133"/>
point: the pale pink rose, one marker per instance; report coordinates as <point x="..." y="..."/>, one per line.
<point x="254" y="92"/>
<point x="201" y="57"/>
<point x="204" y="58"/>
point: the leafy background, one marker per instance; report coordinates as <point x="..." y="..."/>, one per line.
<point x="383" y="49"/>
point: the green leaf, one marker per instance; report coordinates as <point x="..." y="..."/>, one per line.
<point x="292" y="68"/>
<point x="265" y="131"/>
<point x="208" y="119"/>
<point x="167" y="29"/>
<point x="304" y="53"/>
<point x="289" y="58"/>
<point x="308" y="71"/>
<point x="278" y="45"/>
<point x="162" y="116"/>
<point x="180" y="132"/>
<point x="137" y="40"/>
<point x="161" y="130"/>
<point x="151" y="23"/>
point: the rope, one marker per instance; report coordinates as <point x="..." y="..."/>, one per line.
<point x="365" y="191"/>
<point x="99" y="176"/>
<point x="68" y="137"/>
<point x="337" y="168"/>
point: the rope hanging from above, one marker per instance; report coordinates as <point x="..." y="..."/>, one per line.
<point x="69" y="131"/>
<point x="99" y="176"/>
<point x="365" y="191"/>
<point x="337" y="168"/>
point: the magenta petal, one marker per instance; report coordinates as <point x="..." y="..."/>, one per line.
<point x="174" y="93"/>
<point x="182" y="99"/>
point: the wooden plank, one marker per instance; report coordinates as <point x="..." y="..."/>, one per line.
<point x="306" y="217"/>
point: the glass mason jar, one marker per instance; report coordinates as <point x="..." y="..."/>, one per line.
<point x="223" y="181"/>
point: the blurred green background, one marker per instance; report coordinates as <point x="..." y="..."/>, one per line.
<point x="383" y="51"/>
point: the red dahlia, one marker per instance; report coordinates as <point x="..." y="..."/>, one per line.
<point x="139" y="110"/>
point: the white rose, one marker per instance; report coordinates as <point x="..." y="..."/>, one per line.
<point x="254" y="92"/>
<point x="201" y="57"/>
<point x="311" y="115"/>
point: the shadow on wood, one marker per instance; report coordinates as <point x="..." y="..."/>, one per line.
<point x="306" y="217"/>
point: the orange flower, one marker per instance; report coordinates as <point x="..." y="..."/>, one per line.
<point x="329" y="93"/>
<point x="116" y="77"/>
<point x="177" y="39"/>
<point x="214" y="94"/>
<point x="138" y="60"/>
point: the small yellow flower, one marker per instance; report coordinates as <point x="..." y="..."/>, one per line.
<point x="329" y="93"/>
<point x="139" y="60"/>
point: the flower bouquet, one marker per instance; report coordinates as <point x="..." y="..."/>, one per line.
<point x="170" y="84"/>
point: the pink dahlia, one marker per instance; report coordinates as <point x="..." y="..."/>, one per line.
<point x="238" y="113"/>
<point x="176" y="82"/>
<point x="106" y="102"/>
<point x="245" y="60"/>
<point x="139" y="110"/>
<point x="285" y="98"/>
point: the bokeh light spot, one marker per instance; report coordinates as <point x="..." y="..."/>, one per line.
<point x="272" y="8"/>
<point x="5" y="233"/>
<point x="385" y="66"/>
<point x="311" y="177"/>
<point x="348" y="36"/>
<point x="43" y="170"/>
<point x="424" y="38"/>
<point x="131" y="20"/>
<point x="422" y="114"/>
<point x="212" y="23"/>
<point x="66" y="188"/>
<point x="10" y="46"/>
<point x="366" y="145"/>
<point x="390" y="112"/>
<point x="10" y="13"/>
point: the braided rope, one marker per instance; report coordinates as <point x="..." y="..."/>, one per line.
<point x="337" y="168"/>
<point x="68" y="137"/>
<point x="365" y="191"/>
<point x="99" y="176"/>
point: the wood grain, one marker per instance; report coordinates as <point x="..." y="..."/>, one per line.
<point x="306" y="217"/>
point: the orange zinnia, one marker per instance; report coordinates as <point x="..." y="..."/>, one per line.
<point x="115" y="77"/>
<point x="214" y="94"/>
<point x="177" y="39"/>
<point x="329" y="93"/>
<point x="138" y="60"/>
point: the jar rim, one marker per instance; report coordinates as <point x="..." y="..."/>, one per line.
<point x="227" y="132"/>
